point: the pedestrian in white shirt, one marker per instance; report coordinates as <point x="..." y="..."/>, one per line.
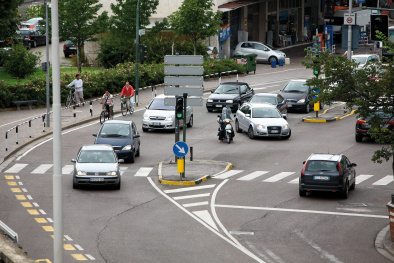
<point x="78" y="84"/>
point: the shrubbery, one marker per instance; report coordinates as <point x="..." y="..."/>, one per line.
<point x="19" y="62"/>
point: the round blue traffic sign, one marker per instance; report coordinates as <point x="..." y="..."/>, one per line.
<point x="180" y="149"/>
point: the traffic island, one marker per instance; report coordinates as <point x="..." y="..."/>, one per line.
<point x="334" y="113"/>
<point x="384" y="242"/>
<point x="196" y="171"/>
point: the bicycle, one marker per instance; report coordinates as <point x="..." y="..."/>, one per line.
<point x="105" y="114"/>
<point x="71" y="98"/>
<point x="123" y="106"/>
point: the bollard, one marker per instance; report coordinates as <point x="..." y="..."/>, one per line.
<point x="273" y="63"/>
<point x="237" y="77"/>
<point x="43" y="123"/>
<point x="6" y="140"/>
<point x="155" y="90"/>
<point x="191" y="153"/>
<point x="16" y="134"/>
<point x="220" y="78"/>
<point x="75" y="114"/>
<point x="30" y="128"/>
<point x="280" y="62"/>
<point x="91" y="109"/>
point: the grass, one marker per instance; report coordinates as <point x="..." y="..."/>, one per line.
<point x="8" y="80"/>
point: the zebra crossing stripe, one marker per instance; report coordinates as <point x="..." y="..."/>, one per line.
<point x="42" y="169"/>
<point x="384" y="181"/>
<point x="278" y="177"/>
<point x="294" y="181"/>
<point x="362" y="177"/>
<point x="123" y="169"/>
<point x="252" y="176"/>
<point x="144" y="171"/>
<point x="67" y="169"/>
<point x="228" y="174"/>
<point x="16" y="168"/>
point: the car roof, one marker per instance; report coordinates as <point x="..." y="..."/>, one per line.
<point x="162" y="96"/>
<point x="103" y="147"/>
<point x="298" y="80"/>
<point x="325" y="157"/>
<point x="362" y="55"/>
<point x="261" y="105"/>
<point x="118" y="122"/>
<point x="235" y="83"/>
<point x="265" y="95"/>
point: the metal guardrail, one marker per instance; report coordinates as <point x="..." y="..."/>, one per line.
<point x="11" y="234"/>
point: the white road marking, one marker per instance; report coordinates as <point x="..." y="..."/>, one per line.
<point x="190" y="196"/>
<point x="204" y="215"/>
<point x="68" y="238"/>
<point x="50" y="220"/>
<point x="294" y="181"/>
<point x="123" y="169"/>
<point x="189" y="189"/>
<point x="196" y="204"/>
<point x="323" y="253"/>
<point x="384" y="181"/>
<point x="300" y="211"/>
<point x="274" y="256"/>
<point x="78" y="247"/>
<point x="144" y="171"/>
<point x="228" y="174"/>
<point x="16" y="168"/>
<point x="17" y="177"/>
<point x="20" y="183"/>
<point x="241" y="233"/>
<point x="35" y="204"/>
<point x="29" y="197"/>
<point x="362" y="177"/>
<point x="42" y="211"/>
<point x="24" y="190"/>
<point x="267" y="260"/>
<point x="90" y="257"/>
<point x="42" y="169"/>
<point x="278" y="177"/>
<point x="252" y="176"/>
<point x="67" y="169"/>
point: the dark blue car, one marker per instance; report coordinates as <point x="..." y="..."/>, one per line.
<point x="122" y="136"/>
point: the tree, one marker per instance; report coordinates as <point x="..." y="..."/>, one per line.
<point x="20" y="62"/>
<point x="9" y="19"/>
<point x="367" y="90"/>
<point x="196" y="19"/>
<point x="78" y="21"/>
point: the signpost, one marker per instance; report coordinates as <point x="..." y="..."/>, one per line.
<point x="180" y="149"/>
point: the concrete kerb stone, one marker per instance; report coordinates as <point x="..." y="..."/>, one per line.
<point x="11" y="252"/>
<point x="193" y="182"/>
<point x="383" y="244"/>
<point x="331" y="119"/>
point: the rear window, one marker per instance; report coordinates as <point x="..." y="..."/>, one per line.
<point x="315" y="166"/>
<point x="68" y="42"/>
<point x="260" y="99"/>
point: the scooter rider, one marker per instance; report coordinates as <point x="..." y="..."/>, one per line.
<point x="226" y="114"/>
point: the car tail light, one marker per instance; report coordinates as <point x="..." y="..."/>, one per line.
<point x="234" y="48"/>
<point x="31" y="26"/>
<point x="30" y="38"/>
<point x="361" y="121"/>
<point x="303" y="168"/>
<point x="390" y="122"/>
<point x="340" y="169"/>
<point x="64" y="47"/>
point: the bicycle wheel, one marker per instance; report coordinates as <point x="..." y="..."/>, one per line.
<point x="68" y="101"/>
<point x="123" y="109"/>
<point x="102" y="117"/>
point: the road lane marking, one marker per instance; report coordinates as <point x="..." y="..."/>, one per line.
<point x="33" y="211"/>
<point x="90" y="257"/>
<point x="178" y="190"/>
<point x="20" y="183"/>
<point x="278" y="177"/>
<point x="79" y="257"/>
<point x="68" y="238"/>
<point x="16" y="168"/>
<point x="67" y="169"/>
<point x="144" y="171"/>
<point x="48" y="228"/>
<point x="35" y="204"/>
<point x="12" y="183"/>
<point x="20" y="197"/>
<point x="241" y="233"/>
<point x="42" y="168"/>
<point x="41" y="220"/>
<point x="68" y="247"/>
<point x="9" y="177"/>
<point x="29" y="197"/>
<point x="42" y="211"/>
<point x="78" y="247"/>
<point x="252" y="176"/>
<point x="204" y="215"/>
<point x="123" y="169"/>
<point x="190" y="196"/>
<point x="294" y="181"/>
<point x="384" y="181"/>
<point x="195" y="204"/>
<point x="26" y="204"/>
<point x="50" y="220"/>
<point x="16" y="190"/>
<point x="228" y="174"/>
<point x="24" y="190"/>
<point x="362" y="177"/>
<point x="300" y="211"/>
<point x="17" y="177"/>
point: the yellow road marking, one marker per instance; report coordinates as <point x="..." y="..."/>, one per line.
<point x="43" y="260"/>
<point x="48" y="228"/>
<point x="9" y="177"/>
<point x="41" y="220"/>
<point x="20" y="197"/>
<point x="79" y="257"/>
<point x="12" y="183"/>
<point x="69" y="247"/>
<point x="33" y="211"/>
<point x="26" y="204"/>
<point x="54" y="237"/>
<point x="16" y="190"/>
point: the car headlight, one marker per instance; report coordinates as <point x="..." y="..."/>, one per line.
<point x="80" y="173"/>
<point x="259" y="126"/>
<point x="301" y="100"/>
<point x="286" y="126"/>
<point x="127" y="147"/>
<point x="146" y="117"/>
<point x="229" y="101"/>
<point x="111" y="173"/>
<point x="209" y="100"/>
<point x="170" y="118"/>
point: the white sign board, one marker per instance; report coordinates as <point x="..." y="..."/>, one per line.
<point x="350" y="19"/>
<point x="142" y="32"/>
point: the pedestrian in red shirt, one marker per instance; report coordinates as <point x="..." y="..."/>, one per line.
<point x="128" y="92"/>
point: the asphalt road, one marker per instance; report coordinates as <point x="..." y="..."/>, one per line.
<point x="239" y="218"/>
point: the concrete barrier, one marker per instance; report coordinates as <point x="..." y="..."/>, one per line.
<point x="11" y="252"/>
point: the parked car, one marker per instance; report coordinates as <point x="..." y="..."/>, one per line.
<point x="69" y="48"/>
<point x="159" y="116"/>
<point x="262" y="120"/>
<point x="96" y="165"/>
<point x="231" y="94"/>
<point x="274" y="99"/>
<point x="26" y="41"/>
<point x="34" y="35"/>
<point x="212" y="52"/>
<point x="123" y="136"/>
<point x="264" y="52"/>
<point x="31" y="23"/>
<point x="362" y="126"/>
<point x="327" y="172"/>
<point x="364" y="59"/>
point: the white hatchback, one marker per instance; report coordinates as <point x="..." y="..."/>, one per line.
<point x="264" y="52"/>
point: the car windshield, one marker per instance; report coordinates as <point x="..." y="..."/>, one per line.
<point x="158" y="104"/>
<point x="90" y="156"/>
<point x="271" y="47"/>
<point x="265" y="113"/>
<point x="360" y="60"/>
<point x="26" y="33"/>
<point x="262" y="99"/>
<point x="115" y="130"/>
<point x="381" y="115"/>
<point x="227" y="89"/>
<point x="296" y="86"/>
<point x="315" y="166"/>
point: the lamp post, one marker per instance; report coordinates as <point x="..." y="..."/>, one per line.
<point x="47" y="62"/>
<point x="349" y="34"/>
<point x="137" y="43"/>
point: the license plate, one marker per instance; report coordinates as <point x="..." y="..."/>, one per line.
<point x="156" y="123"/>
<point x="289" y="105"/>
<point x="96" y="179"/>
<point x="319" y="177"/>
<point x="219" y="106"/>
<point x="274" y="131"/>
<point x="73" y="48"/>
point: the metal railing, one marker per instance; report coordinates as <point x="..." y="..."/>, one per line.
<point x="11" y="234"/>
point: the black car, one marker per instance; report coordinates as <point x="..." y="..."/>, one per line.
<point x="328" y="172"/>
<point x="297" y="95"/>
<point x="69" y="48"/>
<point x="274" y="99"/>
<point x="362" y="126"/>
<point x="232" y="94"/>
<point x="122" y="136"/>
<point x="34" y="36"/>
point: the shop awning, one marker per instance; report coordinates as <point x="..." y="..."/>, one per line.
<point x="235" y="5"/>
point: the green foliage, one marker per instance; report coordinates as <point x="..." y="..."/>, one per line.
<point x="33" y="11"/>
<point x="195" y="18"/>
<point x="9" y="18"/>
<point x="20" y="62"/>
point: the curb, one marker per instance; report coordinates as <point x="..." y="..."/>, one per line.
<point x="190" y="183"/>
<point x="383" y="243"/>
<point x="314" y="120"/>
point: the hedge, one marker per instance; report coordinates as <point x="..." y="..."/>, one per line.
<point x="96" y="83"/>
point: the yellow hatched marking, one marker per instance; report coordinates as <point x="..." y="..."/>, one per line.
<point x="33" y="211"/>
<point x="41" y="220"/>
<point x="54" y="237"/>
<point x="16" y="190"/>
<point x="79" y="257"/>
<point x="9" y="177"/>
<point x="69" y="247"/>
<point x="12" y="183"/>
<point x="26" y="204"/>
<point x="48" y="228"/>
<point x="20" y="197"/>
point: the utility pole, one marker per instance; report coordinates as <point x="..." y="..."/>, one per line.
<point x="47" y="62"/>
<point x="137" y="43"/>
<point x="349" y="34"/>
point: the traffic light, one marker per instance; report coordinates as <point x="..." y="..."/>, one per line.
<point x="379" y="23"/>
<point x="179" y="108"/>
<point x="316" y="68"/>
<point x="143" y="52"/>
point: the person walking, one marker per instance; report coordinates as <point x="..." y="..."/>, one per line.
<point x="78" y="84"/>
<point x="128" y="92"/>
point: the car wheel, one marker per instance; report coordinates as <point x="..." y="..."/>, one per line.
<point x="359" y="138"/>
<point x="272" y="59"/>
<point x="138" y="153"/>
<point x="132" y="158"/>
<point x="237" y="129"/>
<point x="145" y="129"/>
<point x="34" y="43"/>
<point x="123" y="109"/>
<point x="345" y="193"/>
<point x="301" y="192"/>
<point x="307" y="108"/>
<point x="250" y="132"/>
<point x="29" y="46"/>
<point x="288" y="136"/>
<point x="75" y="186"/>
<point x="117" y="187"/>
<point x="209" y="110"/>
<point x="190" y="124"/>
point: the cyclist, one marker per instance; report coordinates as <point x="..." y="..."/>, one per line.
<point x="109" y="102"/>
<point x="128" y="92"/>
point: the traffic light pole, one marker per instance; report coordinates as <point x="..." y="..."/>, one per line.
<point x="184" y="127"/>
<point x="349" y="34"/>
<point x="137" y="43"/>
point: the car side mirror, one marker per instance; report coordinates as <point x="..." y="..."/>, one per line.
<point x="284" y="116"/>
<point x="136" y="136"/>
<point x="354" y="165"/>
<point x="94" y="134"/>
<point x="303" y="162"/>
<point x="212" y="91"/>
<point x="218" y="116"/>
<point x="73" y="160"/>
<point x="247" y="115"/>
<point x="266" y="49"/>
<point x="235" y="115"/>
<point x="120" y="161"/>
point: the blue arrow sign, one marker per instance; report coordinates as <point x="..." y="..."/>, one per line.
<point x="180" y="149"/>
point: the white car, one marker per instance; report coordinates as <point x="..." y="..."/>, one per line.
<point x="264" y="52"/>
<point x="261" y="120"/>
<point x="364" y="59"/>
<point x="158" y="116"/>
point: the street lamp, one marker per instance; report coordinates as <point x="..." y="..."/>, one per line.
<point x="47" y="62"/>
<point x="137" y="43"/>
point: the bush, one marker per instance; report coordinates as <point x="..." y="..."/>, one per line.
<point x="19" y="62"/>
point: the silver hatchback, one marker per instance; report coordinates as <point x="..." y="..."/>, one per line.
<point x="264" y="52"/>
